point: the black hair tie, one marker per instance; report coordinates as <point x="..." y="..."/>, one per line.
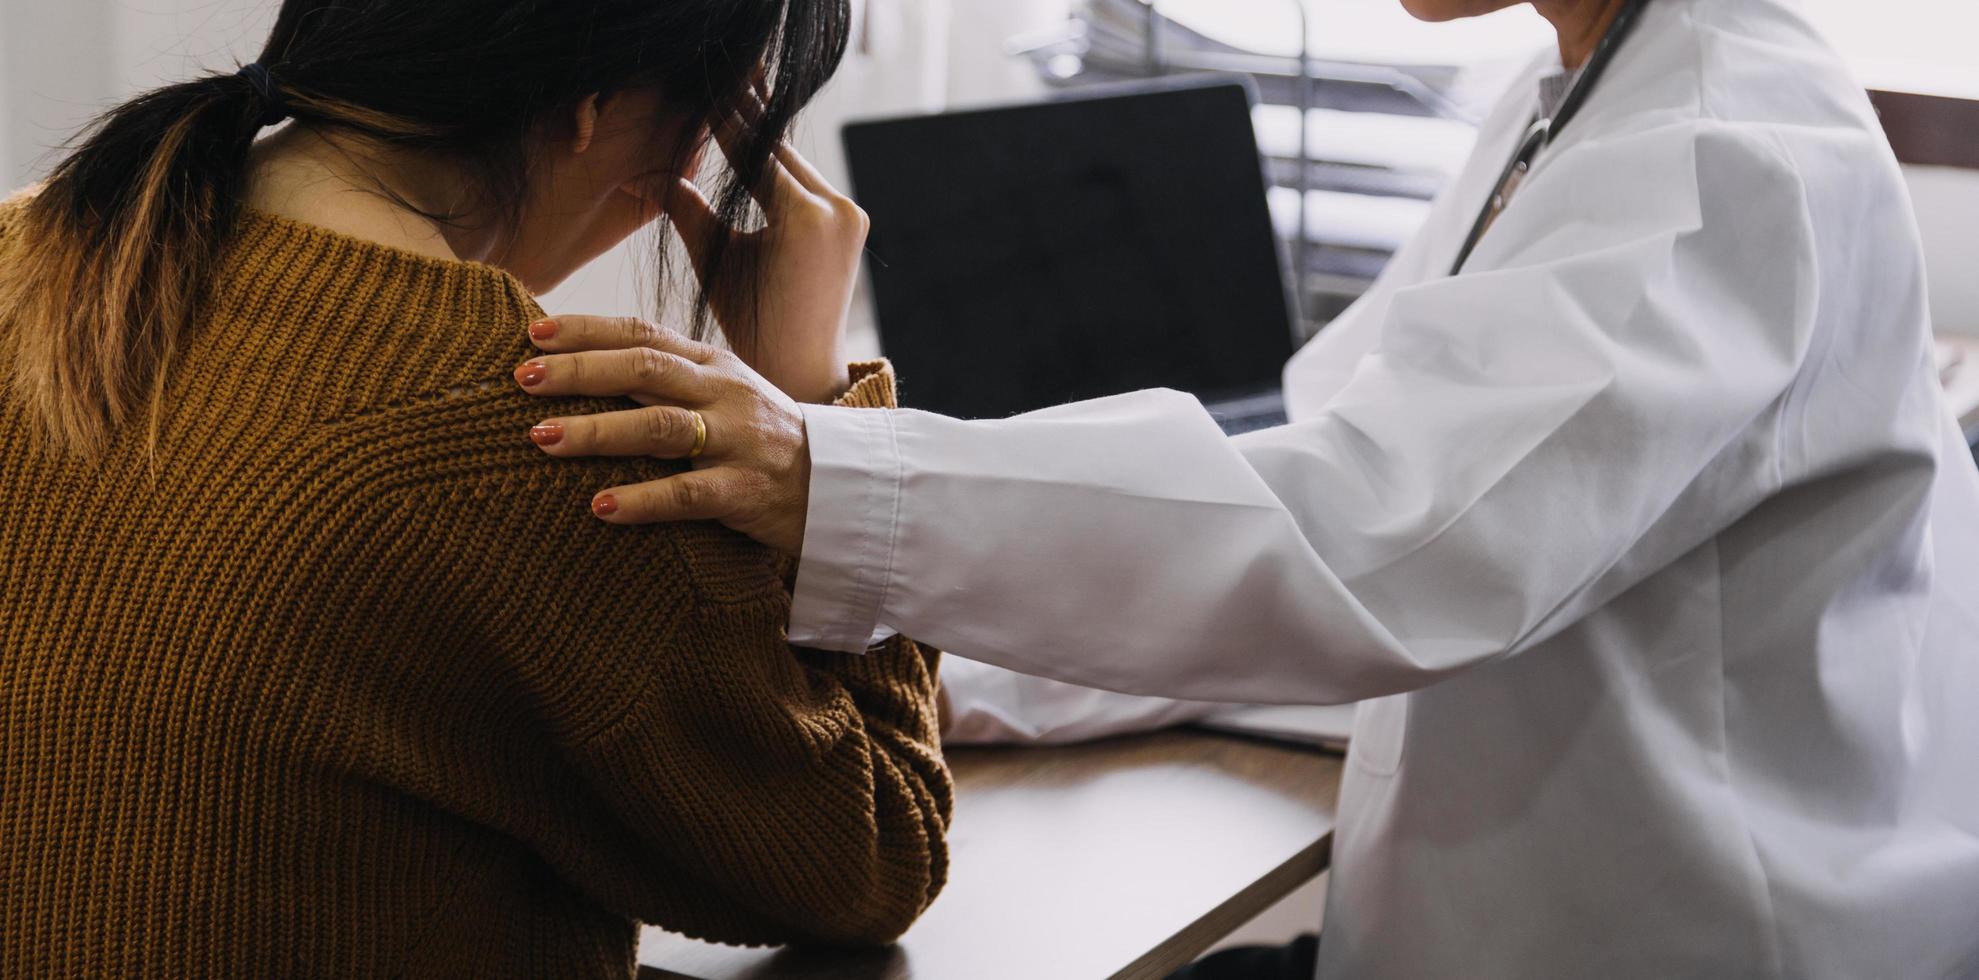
<point x="274" y="106"/>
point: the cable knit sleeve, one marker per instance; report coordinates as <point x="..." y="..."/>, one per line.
<point x="699" y="773"/>
<point x="873" y="386"/>
<point x="784" y="795"/>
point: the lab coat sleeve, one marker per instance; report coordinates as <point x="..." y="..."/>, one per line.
<point x="1491" y="471"/>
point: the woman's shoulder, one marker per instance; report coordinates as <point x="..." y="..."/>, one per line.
<point x="458" y="464"/>
<point x="16" y="199"/>
<point x="395" y="373"/>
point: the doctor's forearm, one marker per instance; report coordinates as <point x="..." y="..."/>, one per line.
<point x="1114" y="544"/>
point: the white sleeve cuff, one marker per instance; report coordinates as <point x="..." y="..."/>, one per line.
<point x="847" y="567"/>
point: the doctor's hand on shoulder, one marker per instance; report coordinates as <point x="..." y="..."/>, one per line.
<point x="733" y="414"/>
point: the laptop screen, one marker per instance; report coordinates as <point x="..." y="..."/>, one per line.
<point x="1029" y="256"/>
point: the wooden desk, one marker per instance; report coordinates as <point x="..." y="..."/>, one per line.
<point x="1124" y="859"/>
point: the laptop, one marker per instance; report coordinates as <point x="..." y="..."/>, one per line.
<point x="1031" y="255"/>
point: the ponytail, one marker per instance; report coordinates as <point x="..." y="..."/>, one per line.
<point x="107" y="263"/>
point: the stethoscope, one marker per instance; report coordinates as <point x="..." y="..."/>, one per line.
<point x="1544" y="131"/>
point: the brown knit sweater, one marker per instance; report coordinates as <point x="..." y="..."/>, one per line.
<point x="354" y="685"/>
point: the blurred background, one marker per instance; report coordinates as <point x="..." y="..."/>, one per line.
<point x="1392" y="112"/>
<point x="1391" y="105"/>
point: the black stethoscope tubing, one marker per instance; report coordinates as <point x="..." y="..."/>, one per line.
<point x="1543" y="132"/>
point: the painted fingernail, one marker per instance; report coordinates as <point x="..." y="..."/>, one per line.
<point x="543" y="329"/>
<point x="547" y="434"/>
<point x="604" y="505"/>
<point x="532" y="374"/>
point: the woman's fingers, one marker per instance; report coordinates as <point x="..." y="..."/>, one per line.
<point x="697" y="495"/>
<point x="789" y="179"/>
<point x="778" y="188"/>
<point x="751" y="108"/>
<point x="661" y="431"/>
<point x="805" y="173"/>
<point x="567" y="334"/>
<point x="639" y="372"/>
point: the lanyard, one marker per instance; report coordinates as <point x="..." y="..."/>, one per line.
<point x="1544" y="131"/>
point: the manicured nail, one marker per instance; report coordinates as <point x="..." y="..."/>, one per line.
<point x="604" y="505"/>
<point x="532" y="374"/>
<point x="547" y="434"/>
<point x="543" y="329"/>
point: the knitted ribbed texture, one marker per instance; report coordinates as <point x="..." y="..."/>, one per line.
<point x="354" y="685"/>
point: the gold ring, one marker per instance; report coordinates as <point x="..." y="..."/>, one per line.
<point x="700" y="434"/>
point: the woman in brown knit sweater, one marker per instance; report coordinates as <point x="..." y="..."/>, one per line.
<point x="309" y="666"/>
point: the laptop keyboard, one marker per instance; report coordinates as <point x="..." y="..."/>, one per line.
<point x="1240" y="415"/>
<point x="1240" y="424"/>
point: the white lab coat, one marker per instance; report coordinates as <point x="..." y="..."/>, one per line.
<point x="1651" y="535"/>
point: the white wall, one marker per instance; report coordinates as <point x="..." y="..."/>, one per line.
<point x="6" y="121"/>
<point x="1909" y="45"/>
<point x="64" y="61"/>
<point x="58" y="61"/>
<point x="1947" y="204"/>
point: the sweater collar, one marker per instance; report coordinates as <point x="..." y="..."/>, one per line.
<point x="359" y="322"/>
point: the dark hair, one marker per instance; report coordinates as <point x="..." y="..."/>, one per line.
<point x="119" y="244"/>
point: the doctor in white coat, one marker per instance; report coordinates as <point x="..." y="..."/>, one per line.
<point x="1647" y="531"/>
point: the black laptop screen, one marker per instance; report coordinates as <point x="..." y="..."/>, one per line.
<point x="1029" y="256"/>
